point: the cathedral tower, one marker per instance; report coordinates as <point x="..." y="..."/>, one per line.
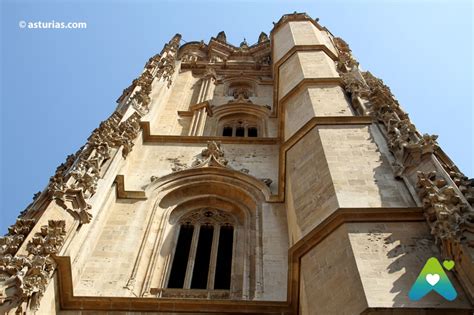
<point x="268" y="178"/>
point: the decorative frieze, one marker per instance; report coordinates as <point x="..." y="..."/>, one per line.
<point x="23" y="279"/>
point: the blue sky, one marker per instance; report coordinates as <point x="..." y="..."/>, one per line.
<point x="57" y="85"/>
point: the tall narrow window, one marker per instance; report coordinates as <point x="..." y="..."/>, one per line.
<point x="180" y="261"/>
<point x="224" y="258"/>
<point x="203" y="257"/>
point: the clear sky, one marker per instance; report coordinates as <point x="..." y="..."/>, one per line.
<point x="58" y="84"/>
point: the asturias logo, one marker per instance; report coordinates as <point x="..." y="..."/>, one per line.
<point x="433" y="277"/>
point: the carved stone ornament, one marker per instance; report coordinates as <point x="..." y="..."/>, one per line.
<point x="213" y="155"/>
<point x="76" y="180"/>
<point x="266" y="181"/>
<point x="263" y="37"/>
<point x="448" y="216"/>
<point x="222" y="37"/>
<point x="160" y="66"/>
<point x="10" y="243"/>
<point x="465" y="184"/>
<point x="177" y="165"/>
<point x="354" y="84"/>
<point x="346" y="61"/>
<point x="404" y="141"/>
<point x="23" y="279"/>
<point x="208" y="217"/>
<point x="210" y="73"/>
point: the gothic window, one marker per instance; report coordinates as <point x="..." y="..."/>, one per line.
<point x="240" y="128"/>
<point x="204" y="250"/>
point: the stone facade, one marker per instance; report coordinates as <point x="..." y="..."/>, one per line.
<point x="272" y="178"/>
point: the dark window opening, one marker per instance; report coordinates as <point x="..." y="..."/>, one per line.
<point x="203" y="257"/>
<point x="253" y="132"/>
<point x="180" y="261"/>
<point x="224" y="258"/>
<point x="240" y="132"/>
<point x="227" y="132"/>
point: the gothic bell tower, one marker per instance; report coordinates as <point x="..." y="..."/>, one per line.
<point x="266" y="178"/>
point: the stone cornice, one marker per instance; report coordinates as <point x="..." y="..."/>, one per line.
<point x="148" y="138"/>
<point x="300" y="48"/>
<point x="295" y="49"/>
<point x="301" y="85"/>
<point x="309" y="81"/>
<point x="295" y="17"/>
<point x="341" y="216"/>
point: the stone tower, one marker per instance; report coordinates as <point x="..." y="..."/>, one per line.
<point x="269" y="178"/>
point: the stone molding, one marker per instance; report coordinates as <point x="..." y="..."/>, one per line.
<point x="341" y="216"/>
<point x="149" y="138"/>
<point x="295" y="16"/>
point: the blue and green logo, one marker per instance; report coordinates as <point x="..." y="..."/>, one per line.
<point x="433" y="277"/>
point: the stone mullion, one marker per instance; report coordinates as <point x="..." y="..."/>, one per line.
<point x="213" y="262"/>
<point x="192" y="257"/>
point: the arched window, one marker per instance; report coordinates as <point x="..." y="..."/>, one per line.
<point x="204" y="251"/>
<point x="240" y="128"/>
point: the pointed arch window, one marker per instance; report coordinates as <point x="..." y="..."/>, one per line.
<point x="204" y="251"/>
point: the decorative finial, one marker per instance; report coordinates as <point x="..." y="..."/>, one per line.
<point x="222" y="37"/>
<point x="244" y="44"/>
